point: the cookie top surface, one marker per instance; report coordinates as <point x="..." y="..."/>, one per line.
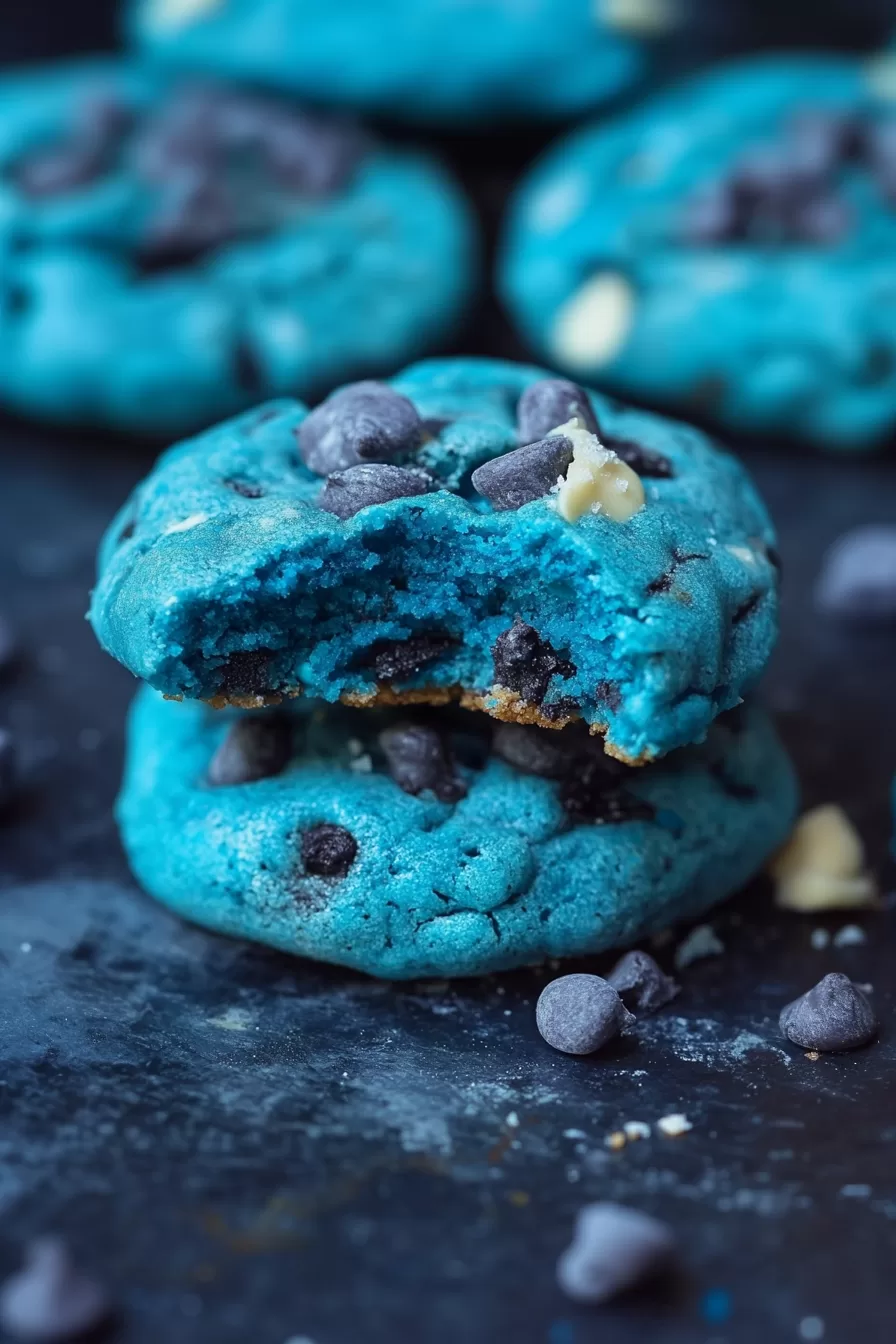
<point x="439" y="846"/>
<point x="238" y="574"/>
<point x="174" y="252"/>
<point x="415" y="60"/>
<point x="726" y="248"/>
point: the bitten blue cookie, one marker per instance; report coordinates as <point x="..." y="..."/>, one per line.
<point x="727" y="248"/>
<point x="170" y="255"/>
<point x="416" y="60"/>
<point x="473" y="530"/>
<point x="443" y="845"/>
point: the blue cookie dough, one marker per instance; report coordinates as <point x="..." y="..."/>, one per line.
<point x="416" y="60"/>
<point x="223" y="579"/>
<point x="785" y="325"/>
<point x="172" y="255"/>
<point x="330" y="858"/>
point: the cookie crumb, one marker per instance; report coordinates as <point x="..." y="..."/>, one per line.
<point x="612" y="1249"/>
<point x="811" y="1328"/>
<point x="636" y="1129"/>
<point x="822" y="865"/>
<point x="674" y="1125"/>
<point x="615" y="1141"/>
<point x="850" y="936"/>
<point x="820" y="939"/>
<point x="703" y="941"/>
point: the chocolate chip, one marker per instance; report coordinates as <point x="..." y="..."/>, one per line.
<point x="49" y="1299"/>
<point x="196" y="213"/>
<point x="246" y="673"/>
<point x="397" y="659"/>
<point x="641" y="460"/>
<point x="834" y="1015"/>
<point x="419" y="758"/>
<point x="550" y="403"/>
<point x="858" y="577"/>
<point x="613" y="1249"/>
<point x="347" y="492"/>
<point x="254" y="748"/>
<point x="746" y="608"/>
<point x="518" y="477"/>
<point x="8" y="767"/>
<point x="591" y="795"/>
<point x="579" y="1013"/>
<point x="365" y="422"/>
<point x="564" y="707"/>
<point x="525" y="663"/>
<point x="245" y="488"/>
<point x="328" y="850"/>
<point x="641" y="984"/>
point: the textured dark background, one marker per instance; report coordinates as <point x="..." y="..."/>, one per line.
<point x="253" y="1150"/>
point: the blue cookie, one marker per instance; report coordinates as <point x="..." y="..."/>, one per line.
<point x="441" y="538"/>
<point x="430" y="846"/>
<point x="728" y="248"/>
<point x="417" y="60"/>
<point x="170" y="257"/>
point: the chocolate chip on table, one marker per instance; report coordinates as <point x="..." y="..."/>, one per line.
<point x="254" y="748"/>
<point x="419" y="759"/>
<point x="577" y="1014"/>
<point x="364" y="422"/>
<point x="834" y="1015"/>
<point x="549" y="403"/>
<point x="525" y="663"/>
<point x="613" y="1249"/>
<point x="641" y="984"/>
<point x="8" y="767"/>
<point x="328" y="850"/>
<point x="858" y="576"/>
<point x="518" y="477"/>
<point x="398" y="659"/>
<point x="347" y="492"/>
<point x="49" y="1299"/>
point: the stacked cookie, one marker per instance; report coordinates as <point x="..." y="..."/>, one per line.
<point x="463" y="657"/>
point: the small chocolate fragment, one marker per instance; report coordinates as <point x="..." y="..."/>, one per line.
<point x="419" y="758"/>
<point x="364" y="422"/>
<point x="245" y="674"/>
<point x="347" y="492"/>
<point x="591" y="794"/>
<point x="613" y="1249"/>
<point x="641" y="984"/>
<point x="550" y="403"/>
<point x="328" y="850"/>
<point x="525" y="663"/>
<point x="834" y="1015"/>
<point x="579" y="1013"/>
<point x="398" y="659"/>
<point x="8" y="767"/>
<point x="518" y="477"/>
<point x="245" y="488"/>
<point x="49" y="1299"/>
<point x="254" y="748"/>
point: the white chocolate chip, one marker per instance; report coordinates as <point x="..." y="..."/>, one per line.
<point x="593" y="325"/>
<point x="167" y="16"/>
<point x="187" y="524"/>
<point x="597" y="481"/>
<point x="822" y="866"/>
<point x="673" y="1126"/>
<point x="643" y="18"/>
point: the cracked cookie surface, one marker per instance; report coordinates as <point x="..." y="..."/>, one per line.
<point x="438" y="844"/>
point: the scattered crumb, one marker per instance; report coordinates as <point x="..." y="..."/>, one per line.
<point x="512" y="1119"/>
<point x="701" y="942"/>
<point x="822" y="865"/>
<point x="811" y="1328"/>
<point x="519" y="1198"/>
<point x="855" y="1191"/>
<point x="820" y="939"/>
<point x="674" y="1125"/>
<point x="574" y="1134"/>
<point x="361" y="765"/>
<point x="616" y="1140"/>
<point x="636" y="1129"/>
<point x="812" y="1054"/>
<point x="850" y="936"/>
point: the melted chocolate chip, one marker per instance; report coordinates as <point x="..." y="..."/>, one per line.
<point x="420" y="759"/>
<point x="254" y="748"/>
<point x="525" y="663"/>
<point x="396" y="659"/>
<point x="590" y="796"/>
<point x="608" y="693"/>
<point x="347" y="492"/>
<point x="328" y="850"/>
<point x="641" y="460"/>
<point x="245" y="673"/>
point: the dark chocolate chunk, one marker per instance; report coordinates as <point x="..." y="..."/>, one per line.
<point x="589" y="795"/>
<point x="8" y="767"/>
<point x="613" y="1250"/>
<point x="196" y="213"/>
<point x="365" y="422"/>
<point x="245" y="674"/>
<point x="398" y="659"/>
<point x="858" y="577"/>
<point x="579" y="1013"/>
<point x="328" y="850"/>
<point x="834" y="1015"/>
<point x="245" y="488"/>
<point x="525" y="663"/>
<point x="643" y="461"/>
<point x="550" y="403"/>
<point x="518" y="477"/>
<point x="312" y="154"/>
<point x="49" y="1299"/>
<point x="641" y="984"/>
<point x="419" y="758"/>
<point x="254" y="748"/>
<point x="347" y="492"/>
